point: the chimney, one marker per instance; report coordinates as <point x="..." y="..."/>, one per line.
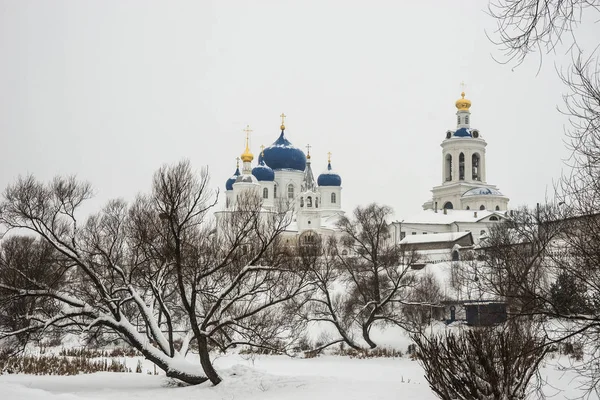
<point x="475" y="214"/>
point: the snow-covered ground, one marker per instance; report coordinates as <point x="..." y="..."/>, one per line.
<point x="267" y="378"/>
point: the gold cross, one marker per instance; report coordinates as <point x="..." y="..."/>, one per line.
<point x="308" y="146"/>
<point x="329" y="157"/>
<point x="282" y="121"/>
<point x="462" y="86"/>
<point x="262" y="150"/>
<point x="237" y="162"/>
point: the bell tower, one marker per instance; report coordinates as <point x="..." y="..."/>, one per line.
<point x="464" y="168"/>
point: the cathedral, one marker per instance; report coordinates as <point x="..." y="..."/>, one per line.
<point x="460" y="212"/>
<point x="283" y="175"/>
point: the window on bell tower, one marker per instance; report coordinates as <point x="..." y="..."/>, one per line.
<point x="448" y="167"/>
<point x="265" y="193"/>
<point x="290" y="191"/>
<point x="475" y="167"/>
<point x="333" y="198"/>
<point x="458" y="120"/>
<point x="461" y="167"/>
<point x="466" y="119"/>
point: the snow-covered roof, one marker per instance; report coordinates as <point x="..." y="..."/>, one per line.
<point x="451" y="216"/>
<point x="434" y="238"/>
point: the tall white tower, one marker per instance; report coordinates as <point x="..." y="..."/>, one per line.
<point x="310" y="206"/>
<point x="464" y="184"/>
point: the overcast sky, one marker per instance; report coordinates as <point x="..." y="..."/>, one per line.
<point x="111" y="90"/>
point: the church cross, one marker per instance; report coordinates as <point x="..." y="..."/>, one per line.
<point x="247" y="130"/>
<point x="329" y="157"/>
<point x="282" y="118"/>
<point x="308" y="146"/>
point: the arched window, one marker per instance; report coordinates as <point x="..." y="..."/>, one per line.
<point x="316" y="202"/>
<point x="275" y="191"/>
<point x="494" y="218"/>
<point x="309" y="201"/>
<point x="448" y="206"/>
<point x="455" y="255"/>
<point x="461" y="167"/>
<point x="467" y="119"/>
<point x="482" y="233"/>
<point x="475" y="167"/>
<point x="301" y="201"/>
<point x="497" y="208"/>
<point x="468" y="208"/>
<point x="482" y="207"/>
<point x="333" y="198"/>
<point x="265" y="193"/>
<point x="448" y="167"/>
<point x="290" y="191"/>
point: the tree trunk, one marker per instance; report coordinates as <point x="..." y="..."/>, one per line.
<point x="207" y="366"/>
<point x="160" y="362"/>
<point x="367" y="337"/>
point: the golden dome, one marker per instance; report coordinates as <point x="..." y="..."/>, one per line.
<point x="247" y="155"/>
<point x="463" y="104"/>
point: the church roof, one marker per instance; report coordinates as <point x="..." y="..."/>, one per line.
<point x="282" y="154"/>
<point x="262" y="172"/>
<point x="329" y="177"/>
<point x="435" y="238"/>
<point x="308" y="183"/>
<point x="451" y="216"/>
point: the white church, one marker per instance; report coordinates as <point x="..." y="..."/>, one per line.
<point x="284" y="173"/>
<point x="460" y="212"/>
<point x="464" y="206"/>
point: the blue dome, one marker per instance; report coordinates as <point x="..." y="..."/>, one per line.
<point x="231" y="181"/>
<point x="283" y="155"/>
<point x="329" y="178"/>
<point x="262" y="172"/>
<point x="482" y="191"/>
<point x="463" y="132"/>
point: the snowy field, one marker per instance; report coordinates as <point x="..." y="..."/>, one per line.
<point x="267" y="378"/>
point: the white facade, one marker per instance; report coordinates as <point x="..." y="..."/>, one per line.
<point x="464" y="201"/>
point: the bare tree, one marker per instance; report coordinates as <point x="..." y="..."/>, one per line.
<point x="160" y="270"/>
<point x="528" y="26"/>
<point x="545" y="264"/>
<point x="494" y="363"/>
<point x="363" y="279"/>
<point x="233" y="284"/>
<point x="24" y="261"/>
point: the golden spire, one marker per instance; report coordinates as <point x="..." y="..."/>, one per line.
<point x="308" y="146"/>
<point x="282" y="121"/>
<point x="247" y="155"/>
<point x="463" y="104"/>
<point x="329" y="158"/>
